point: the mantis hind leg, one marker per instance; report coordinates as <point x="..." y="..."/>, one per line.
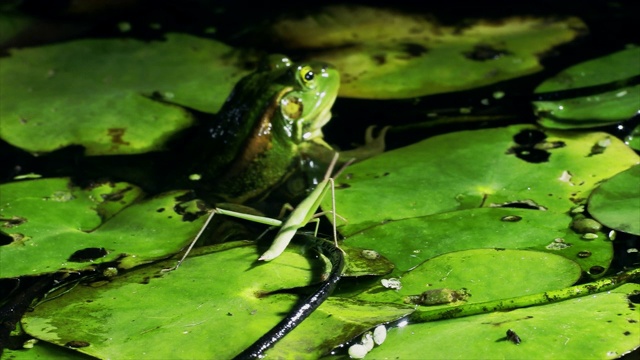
<point x="192" y="244"/>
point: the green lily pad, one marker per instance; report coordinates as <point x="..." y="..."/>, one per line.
<point x="120" y="83"/>
<point x="616" y="202"/>
<point x="617" y="99"/>
<point x="332" y="324"/>
<point x="633" y="139"/>
<point x="471" y="169"/>
<point x="465" y="190"/>
<point x="604" y="325"/>
<point x="362" y="262"/>
<point x="409" y="242"/>
<point x="45" y="351"/>
<point x="484" y="274"/>
<point x="54" y="225"/>
<point x="387" y="54"/>
<point x="143" y="313"/>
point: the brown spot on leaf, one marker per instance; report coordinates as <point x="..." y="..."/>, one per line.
<point x="13" y="221"/>
<point x="116" y="196"/>
<point x="77" y="344"/>
<point x="484" y="52"/>
<point x="116" y="135"/>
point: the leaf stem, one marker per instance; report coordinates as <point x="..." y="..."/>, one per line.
<point x="423" y="314"/>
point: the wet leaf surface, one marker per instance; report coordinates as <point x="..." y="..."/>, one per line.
<point x="604" y="325"/>
<point x="471" y="169"/>
<point x="485" y="274"/>
<point x="597" y="92"/>
<point x="458" y="220"/>
<point x="66" y="227"/>
<point x="41" y="85"/>
<point x="616" y="202"/>
<point x="179" y="311"/>
<point x="388" y="54"/>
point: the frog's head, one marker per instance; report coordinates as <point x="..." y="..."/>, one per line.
<point x="306" y="99"/>
<point x="256" y="135"/>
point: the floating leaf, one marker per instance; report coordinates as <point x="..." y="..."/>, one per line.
<point x="485" y="274"/>
<point x="616" y="202"/>
<point x="120" y="82"/>
<point x="409" y="242"/>
<point x="387" y="54"/>
<point x="361" y="262"/>
<point x="337" y="321"/>
<point x="599" y="92"/>
<point x="603" y="325"/>
<point x="45" y="351"/>
<point x="633" y="139"/>
<point x="54" y="225"/>
<point x="480" y="189"/>
<point x="482" y="168"/>
<point x="174" y="315"/>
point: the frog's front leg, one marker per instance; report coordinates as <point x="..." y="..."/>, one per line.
<point x="373" y="145"/>
<point x="320" y="151"/>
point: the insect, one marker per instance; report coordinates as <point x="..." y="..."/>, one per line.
<point x="299" y="217"/>
<point x="304" y="213"/>
<point x="513" y="337"/>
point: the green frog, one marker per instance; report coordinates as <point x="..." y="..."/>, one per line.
<point x="271" y="117"/>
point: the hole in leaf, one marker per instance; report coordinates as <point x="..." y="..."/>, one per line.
<point x="584" y="254"/>
<point x="529" y="137"/>
<point x="5" y="239"/>
<point x="520" y="204"/>
<point x="88" y="254"/>
<point x="534" y="156"/>
<point x="596" y="270"/>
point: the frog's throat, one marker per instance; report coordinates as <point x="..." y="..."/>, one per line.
<point x="315" y="133"/>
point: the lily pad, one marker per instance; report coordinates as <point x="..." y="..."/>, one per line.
<point x="128" y="88"/>
<point x="598" y="92"/>
<point x="480" y="189"/>
<point x="616" y="202"/>
<point x="484" y="274"/>
<point x="387" y="54"/>
<point x="54" y="225"/>
<point x="604" y="325"/>
<point x="409" y="242"/>
<point x="633" y="139"/>
<point x="362" y="262"/>
<point x="45" y="351"/>
<point x="143" y="313"/>
<point x="481" y="168"/>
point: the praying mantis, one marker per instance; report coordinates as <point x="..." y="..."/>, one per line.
<point x="300" y="216"/>
<point x="304" y="213"/>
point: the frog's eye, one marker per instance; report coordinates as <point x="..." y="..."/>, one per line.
<point x="306" y="76"/>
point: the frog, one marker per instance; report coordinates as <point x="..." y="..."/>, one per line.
<point x="271" y="116"/>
